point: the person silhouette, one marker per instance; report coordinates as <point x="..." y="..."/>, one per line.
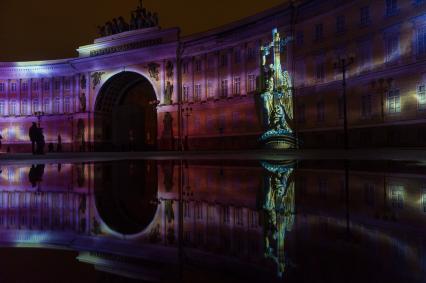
<point x="59" y="145"/>
<point x="33" y="132"/>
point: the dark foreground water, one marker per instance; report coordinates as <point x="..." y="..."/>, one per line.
<point x="213" y="221"/>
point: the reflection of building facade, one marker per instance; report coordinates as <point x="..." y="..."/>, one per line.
<point x="226" y="213"/>
<point x="220" y="69"/>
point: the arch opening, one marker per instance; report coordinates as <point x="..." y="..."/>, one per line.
<point x="125" y="114"/>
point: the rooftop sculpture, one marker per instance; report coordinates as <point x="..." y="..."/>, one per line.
<point x="139" y="19"/>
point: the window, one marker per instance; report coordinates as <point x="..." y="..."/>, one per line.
<point x="12" y="108"/>
<point x="394" y="101"/>
<point x="46" y="86"/>
<point x="365" y="56"/>
<point x="225" y="214"/>
<point x="224" y="89"/>
<point x="301" y="113"/>
<point x="340" y="24"/>
<point x="35" y="106"/>
<point x="239" y="216"/>
<point x="185" y="67"/>
<point x="223" y="60"/>
<point x="369" y="192"/>
<point x="421" y="97"/>
<point x="2" y="107"/>
<point x="210" y="93"/>
<point x="2" y="88"/>
<point x="197" y="92"/>
<point x="67" y="105"/>
<point x="197" y="66"/>
<point x="392" y="48"/>
<point x="222" y="123"/>
<point x="46" y="105"/>
<point x="56" y="104"/>
<point x="57" y="85"/>
<point x="24" y="86"/>
<point x="13" y="87"/>
<point x="320" y="70"/>
<point x="391" y="7"/>
<point x="35" y="86"/>
<point x="186" y="210"/>
<point x="322" y="187"/>
<point x="366" y="106"/>
<point x="320" y="111"/>
<point x="199" y="211"/>
<point x="396" y="196"/>
<point x="364" y="16"/>
<point x="210" y="62"/>
<point x="251" y="54"/>
<point x="237" y="86"/>
<point x="237" y="56"/>
<point x="24" y="107"/>
<point x="300" y="38"/>
<point x="421" y="41"/>
<point x="318" y="32"/>
<point x="185" y="93"/>
<point x="251" y="83"/>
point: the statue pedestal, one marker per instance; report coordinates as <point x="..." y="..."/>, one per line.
<point x="280" y="139"/>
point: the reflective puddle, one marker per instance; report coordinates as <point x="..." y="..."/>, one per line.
<point x="213" y="221"/>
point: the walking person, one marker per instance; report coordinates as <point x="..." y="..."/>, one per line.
<point x="33" y="132"/>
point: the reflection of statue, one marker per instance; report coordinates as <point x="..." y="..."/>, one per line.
<point x="168" y="169"/>
<point x="168" y="93"/>
<point x="277" y="96"/>
<point x="279" y="210"/>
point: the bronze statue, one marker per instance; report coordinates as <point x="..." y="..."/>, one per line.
<point x="82" y="99"/>
<point x="102" y="31"/>
<point x="168" y="93"/>
<point x="169" y="69"/>
<point x="83" y="81"/>
<point x="108" y="28"/>
<point x="122" y="25"/>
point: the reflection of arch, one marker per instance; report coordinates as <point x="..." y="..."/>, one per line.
<point x="126" y="195"/>
<point x="125" y="114"/>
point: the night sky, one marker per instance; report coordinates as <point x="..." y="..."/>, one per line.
<point x="53" y="29"/>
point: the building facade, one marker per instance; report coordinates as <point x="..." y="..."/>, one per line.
<point x="149" y="88"/>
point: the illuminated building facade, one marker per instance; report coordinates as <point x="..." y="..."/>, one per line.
<point x="125" y="91"/>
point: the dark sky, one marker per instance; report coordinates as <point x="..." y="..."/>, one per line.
<point x="52" y="29"/>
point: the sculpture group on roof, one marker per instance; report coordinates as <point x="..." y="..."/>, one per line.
<point x="140" y="18"/>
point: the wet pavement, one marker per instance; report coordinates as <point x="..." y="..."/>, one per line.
<point x="213" y="217"/>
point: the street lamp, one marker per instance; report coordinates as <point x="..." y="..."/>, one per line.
<point x="39" y="114"/>
<point x="341" y="64"/>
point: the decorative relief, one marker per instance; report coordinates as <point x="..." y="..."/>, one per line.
<point x="82" y="100"/>
<point x="97" y="78"/>
<point x="153" y="71"/>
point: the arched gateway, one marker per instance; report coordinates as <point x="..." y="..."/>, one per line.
<point x="125" y="113"/>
